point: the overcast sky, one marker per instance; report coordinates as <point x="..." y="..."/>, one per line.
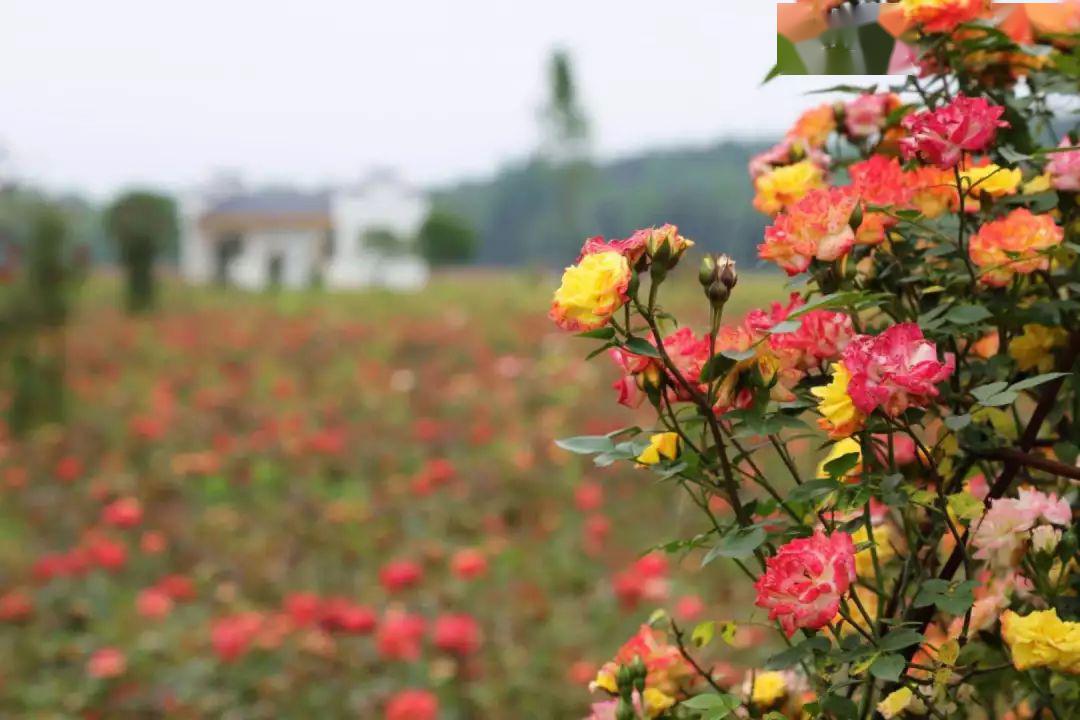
<point x="95" y="96"/>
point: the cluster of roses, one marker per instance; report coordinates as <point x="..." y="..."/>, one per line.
<point x="919" y="173"/>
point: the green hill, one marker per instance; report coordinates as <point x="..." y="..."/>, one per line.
<point x="534" y="213"/>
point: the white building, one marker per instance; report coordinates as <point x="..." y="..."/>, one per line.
<point x="345" y="238"/>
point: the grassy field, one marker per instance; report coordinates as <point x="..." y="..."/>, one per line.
<point x="237" y="471"/>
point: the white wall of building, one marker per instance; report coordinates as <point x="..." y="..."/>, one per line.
<point x="297" y="250"/>
<point x="383" y="204"/>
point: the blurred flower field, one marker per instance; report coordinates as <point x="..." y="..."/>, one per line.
<point x="314" y="505"/>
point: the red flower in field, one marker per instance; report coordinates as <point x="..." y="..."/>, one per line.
<point x="144" y="427"/>
<point x="399" y="636"/>
<point x="803" y="582"/>
<point x="178" y="587"/>
<point x="469" y="563"/>
<point x="106" y="663"/>
<point x="941" y="137"/>
<point x="589" y="496"/>
<point x="894" y="370"/>
<point x="399" y="575"/>
<point x="412" y="705"/>
<point x="153" y="603"/>
<point x="152" y="542"/>
<point x="652" y="565"/>
<point x="457" y="634"/>
<point x="16" y="606"/>
<point x="329" y="441"/>
<point x="303" y="609"/>
<point x="126" y="512"/>
<point x="68" y="469"/>
<point x="596" y="530"/>
<point x="689" y="608"/>
<point x="232" y="635"/>
<point x="646" y="579"/>
<point x="342" y="615"/>
<point x="107" y="554"/>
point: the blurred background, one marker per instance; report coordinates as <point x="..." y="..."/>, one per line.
<point x="278" y="386"/>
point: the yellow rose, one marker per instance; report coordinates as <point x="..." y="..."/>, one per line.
<point x="663" y="445"/>
<point x="883" y="540"/>
<point x="591" y="291"/>
<point x="1038" y="184"/>
<point x="786" y="185"/>
<point x="899" y="701"/>
<point x="869" y="600"/>
<point x="992" y="180"/>
<point x="656" y="702"/>
<point x="847" y="446"/>
<point x="840" y="417"/>
<point x="1042" y="639"/>
<point x="769" y="688"/>
<point x="1033" y="348"/>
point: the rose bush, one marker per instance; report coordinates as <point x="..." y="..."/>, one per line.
<point x="928" y="566"/>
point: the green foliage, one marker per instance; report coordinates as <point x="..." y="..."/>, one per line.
<point x="446" y="239"/>
<point x="143" y="225"/>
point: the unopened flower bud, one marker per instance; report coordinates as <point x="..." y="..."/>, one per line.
<point x="718" y="293"/>
<point x="625" y="710"/>
<point x="665" y="245"/>
<point x="856" y="217"/>
<point x="725" y="271"/>
<point x="707" y="271"/>
<point x="624" y="679"/>
<point x="640" y="673"/>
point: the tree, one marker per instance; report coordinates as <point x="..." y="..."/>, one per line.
<point x="142" y="224"/>
<point x="447" y="239"/>
<point x="566" y="146"/>
<point x="35" y="308"/>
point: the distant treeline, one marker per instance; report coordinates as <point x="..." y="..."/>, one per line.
<point x="537" y="213"/>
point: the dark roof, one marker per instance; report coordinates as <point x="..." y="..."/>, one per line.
<point x="273" y="202"/>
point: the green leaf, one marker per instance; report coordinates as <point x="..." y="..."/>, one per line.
<point x="888" y="667"/>
<point x="714" y="705"/>
<point x="813" y="489"/>
<point x="788" y="61"/>
<point x="901" y="638"/>
<point x="587" y="444"/>
<point x="797" y="652"/>
<point x="741" y="544"/>
<point x="841" y="466"/>
<point x="641" y="346"/>
<point x="602" y="333"/>
<point x="703" y="633"/>
<point x="1036" y="381"/>
<point x="965" y="506"/>
<point x="841" y="707"/>
<point x="785" y="326"/>
<point x="966" y="314"/>
<point x="957" y="422"/>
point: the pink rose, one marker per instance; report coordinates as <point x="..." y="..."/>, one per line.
<point x="803" y="582"/>
<point x="1064" y="168"/>
<point x="942" y="136"/>
<point x="894" y="370"/>
<point x="866" y="114"/>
